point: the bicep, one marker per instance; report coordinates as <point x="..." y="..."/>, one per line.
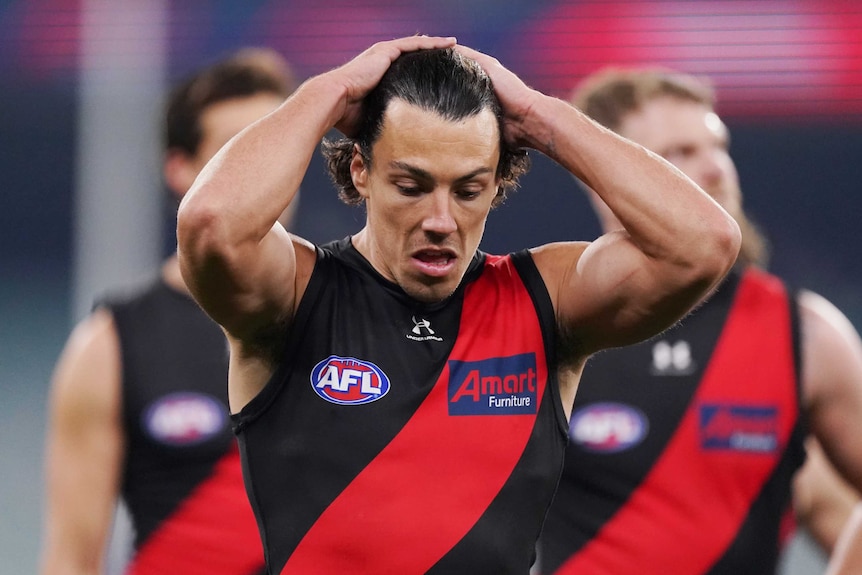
<point x="84" y="448"/>
<point x="608" y="293"/>
<point x="246" y="285"/>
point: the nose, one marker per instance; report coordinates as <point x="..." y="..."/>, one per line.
<point x="439" y="219"/>
<point x="710" y="169"/>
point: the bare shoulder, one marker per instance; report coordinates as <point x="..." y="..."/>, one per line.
<point x="87" y="376"/>
<point x="557" y="263"/>
<point x="831" y="347"/>
<point x="559" y="249"/>
<point x="825" y="327"/>
<point x="820" y="311"/>
<point x="306" y="257"/>
<point x="306" y="252"/>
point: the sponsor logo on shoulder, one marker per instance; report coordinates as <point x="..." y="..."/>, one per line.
<point x="608" y="427"/>
<point x="422" y="331"/>
<point x="739" y="427"/>
<point x="185" y="418"/>
<point x="672" y="358"/>
<point x="495" y="386"/>
<point x="348" y="381"/>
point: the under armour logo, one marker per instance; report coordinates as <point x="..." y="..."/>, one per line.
<point x="422" y="331"/>
<point x="672" y="358"/>
<point x="422" y="327"/>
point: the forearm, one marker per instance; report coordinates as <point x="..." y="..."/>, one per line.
<point x="238" y="264"/>
<point x="254" y="178"/>
<point x="667" y="216"/>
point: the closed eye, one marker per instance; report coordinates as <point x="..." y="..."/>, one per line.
<point x="408" y="190"/>
<point x="468" y="194"/>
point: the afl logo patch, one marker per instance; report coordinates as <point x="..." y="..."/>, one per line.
<point x="608" y="427"/>
<point x="186" y="418"/>
<point x="348" y="381"/>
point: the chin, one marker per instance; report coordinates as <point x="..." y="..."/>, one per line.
<point x="429" y="294"/>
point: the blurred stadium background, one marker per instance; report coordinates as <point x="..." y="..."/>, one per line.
<point x="82" y="205"/>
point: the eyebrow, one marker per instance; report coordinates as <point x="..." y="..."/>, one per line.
<point x="424" y="175"/>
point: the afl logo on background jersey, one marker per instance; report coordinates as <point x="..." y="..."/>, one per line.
<point x="348" y="381"/>
<point x="608" y="427"/>
<point x="185" y="418"/>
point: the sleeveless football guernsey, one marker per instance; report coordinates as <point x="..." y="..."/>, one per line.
<point x="182" y="479"/>
<point x="682" y="448"/>
<point x="399" y="437"/>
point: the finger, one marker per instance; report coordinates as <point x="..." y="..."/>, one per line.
<point x="480" y="57"/>
<point x="420" y="42"/>
<point x="467" y="51"/>
<point x="395" y="48"/>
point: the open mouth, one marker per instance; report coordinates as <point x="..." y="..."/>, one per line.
<point x="435" y="262"/>
<point x="434" y="258"/>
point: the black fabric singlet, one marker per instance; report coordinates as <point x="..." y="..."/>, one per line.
<point x="182" y="479"/>
<point x="683" y="448"/>
<point x="397" y="437"/>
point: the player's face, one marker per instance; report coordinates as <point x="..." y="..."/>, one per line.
<point x="693" y="138"/>
<point x="427" y="193"/>
<point x="223" y="120"/>
<point x="219" y="122"/>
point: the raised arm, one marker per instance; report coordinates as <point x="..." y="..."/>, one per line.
<point x="677" y="244"/>
<point x="241" y="266"/>
<point x="85" y="448"/>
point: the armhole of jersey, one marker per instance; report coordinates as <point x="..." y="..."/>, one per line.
<point x="259" y="404"/>
<point x="529" y="273"/>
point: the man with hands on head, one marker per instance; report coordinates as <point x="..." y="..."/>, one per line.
<point x="395" y="393"/>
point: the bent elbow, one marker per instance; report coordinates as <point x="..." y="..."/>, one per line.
<point x="201" y="237"/>
<point x="720" y="250"/>
<point x="195" y="223"/>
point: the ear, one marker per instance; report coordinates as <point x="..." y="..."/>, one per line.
<point x="180" y="172"/>
<point x="359" y="172"/>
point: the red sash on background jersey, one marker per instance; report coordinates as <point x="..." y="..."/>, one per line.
<point x="690" y="506"/>
<point x="212" y="532"/>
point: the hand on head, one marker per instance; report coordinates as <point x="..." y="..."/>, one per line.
<point x="516" y="98"/>
<point x="360" y="75"/>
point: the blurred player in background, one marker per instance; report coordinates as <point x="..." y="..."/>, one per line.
<point x="684" y="448"/>
<point x="138" y="402"/>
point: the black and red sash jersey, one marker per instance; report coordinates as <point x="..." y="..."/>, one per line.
<point x="682" y="448"/>
<point x="400" y="437"/>
<point x="182" y="476"/>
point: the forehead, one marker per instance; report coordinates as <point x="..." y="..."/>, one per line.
<point x="667" y="120"/>
<point x="415" y="135"/>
